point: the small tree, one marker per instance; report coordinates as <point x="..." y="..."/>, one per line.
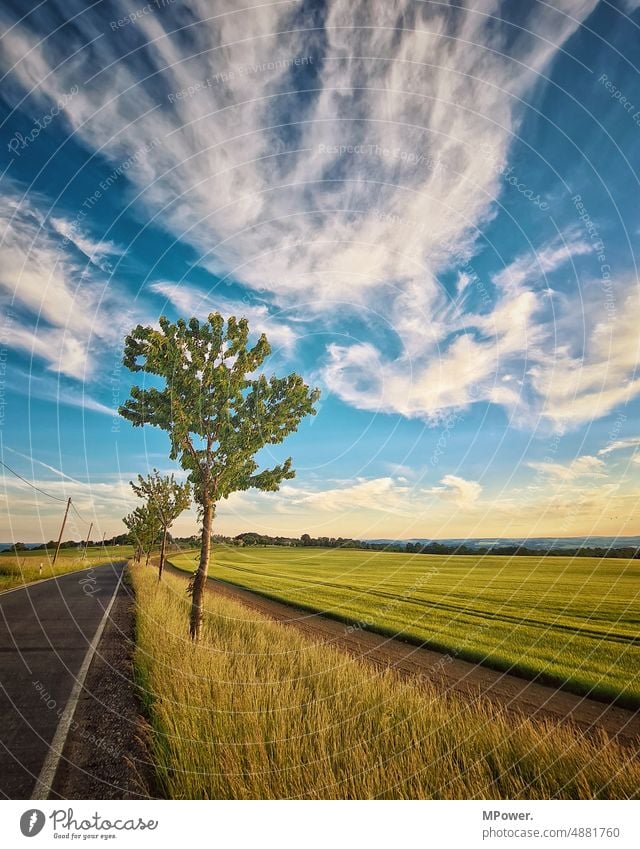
<point x="132" y="522"/>
<point x="216" y="415"/>
<point x="167" y="498"/>
<point x="144" y="526"/>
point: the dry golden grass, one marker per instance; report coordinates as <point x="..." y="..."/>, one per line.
<point x="257" y="711"/>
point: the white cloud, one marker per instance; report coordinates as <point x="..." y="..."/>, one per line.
<point x="585" y="466"/>
<point x="358" y="194"/>
<point x="390" y="496"/>
<point x="531" y="268"/>
<point x="49" y="468"/>
<point x="578" y="385"/>
<point x="95" y="251"/>
<point x="621" y="445"/>
<point x="477" y="355"/>
<point x="103" y="501"/>
<point x="464" y="358"/>
<point x="380" y="494"/>
<point x="63" y="311"/>
<point x="190" y="301"/>
<point x="60" y="391"/>
<point x="264" y="203"/>
<point x="460" y="490"/>
<point x="572" y="502"/>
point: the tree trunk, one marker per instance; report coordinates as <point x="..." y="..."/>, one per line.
<point x="200" y="577"/>
<point x="146" y="562"/>
<point x="162" y="547"/>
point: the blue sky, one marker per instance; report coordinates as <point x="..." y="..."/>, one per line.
<point x="430" y="210"/>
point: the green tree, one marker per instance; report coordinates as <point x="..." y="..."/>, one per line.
<point x="167" y="498"/>
<point x="217" y="416"/>
<point x="144" y="526"/>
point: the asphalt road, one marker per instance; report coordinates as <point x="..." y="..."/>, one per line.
<point x="45" y="632"/>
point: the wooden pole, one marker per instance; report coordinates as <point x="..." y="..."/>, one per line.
<point x="88" y="535"/>
<point x="64" y="521"/>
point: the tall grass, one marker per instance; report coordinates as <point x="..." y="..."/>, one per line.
<point x="257" y="711"/>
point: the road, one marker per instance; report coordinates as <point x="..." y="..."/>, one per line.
<point x="45" y="633"/>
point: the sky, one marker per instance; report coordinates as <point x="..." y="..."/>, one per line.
<point x="429" y="208"/>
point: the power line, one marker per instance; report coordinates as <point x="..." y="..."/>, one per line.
<point x="48" y="494"/>
<point x="33" y="486"/>
<point x="75" y="510"/>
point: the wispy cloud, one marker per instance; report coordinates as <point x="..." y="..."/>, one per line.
<point x="468" y="357"/>
<point x="621" y="445"/>
<point x="64" y="310"/>
<point x="460" y="490"/>
<point x="53" y="469"/>
<point x="582" y="467"/>
<point x="189" y="300"/>
<point x="594" y="363"/>
<point x="531" y="269"/>
<point x="391" y="496"/>
<point x="61" y="391"/>
<point x="575" y="500"/>
<point x="336" y="168"/>
<point x="95" y="251"/>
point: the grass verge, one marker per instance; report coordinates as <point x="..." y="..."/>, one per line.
<point x="257" y="711"/>
<point x="25" y="566"/>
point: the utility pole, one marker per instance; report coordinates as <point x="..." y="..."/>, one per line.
<point x="64" y="521"/>
<point x="88" y="536"/>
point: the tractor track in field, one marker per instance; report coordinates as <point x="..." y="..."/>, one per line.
<point x="449" y="674"/>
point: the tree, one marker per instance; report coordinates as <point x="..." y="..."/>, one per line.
<point x="144" y="525"/>
<point x="216" y="415"/>
<point x="167" y="498"/>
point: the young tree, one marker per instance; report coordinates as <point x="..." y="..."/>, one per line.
<point x="167" y="498"/>
<point x="144" y="525"/>
<point x="217" y="415"/>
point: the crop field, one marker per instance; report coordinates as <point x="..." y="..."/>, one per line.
<point x="24" y="566"/>
<point x="259" y="711"/>
<point x="574" y="622"/>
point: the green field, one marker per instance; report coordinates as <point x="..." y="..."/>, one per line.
<point x="575" y="622"/>
<point x="259" y="711"/>
<point x="24" y="567"/>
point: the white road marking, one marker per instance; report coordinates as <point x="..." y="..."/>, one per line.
<point x="50" y="765"/>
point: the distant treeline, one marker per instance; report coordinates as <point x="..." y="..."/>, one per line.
<point x="248" y="539"/>
<point x="121" y="539"/>
<point x="306" y="541"/>
<point x="521" y="550"/>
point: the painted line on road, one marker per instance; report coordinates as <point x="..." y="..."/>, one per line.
<point x="51" y="762"/>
